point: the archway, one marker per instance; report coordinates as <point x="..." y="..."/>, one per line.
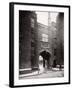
<point x="44" y="59"/>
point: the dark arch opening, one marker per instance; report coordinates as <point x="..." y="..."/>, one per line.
<point x="46" y="58"/>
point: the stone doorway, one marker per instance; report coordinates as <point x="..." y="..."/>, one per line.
<point x="44" y="61"/>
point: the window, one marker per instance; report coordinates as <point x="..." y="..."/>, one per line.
<point x="44" y="37"/>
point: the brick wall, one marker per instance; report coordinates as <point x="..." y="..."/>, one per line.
<point x="27" y="43"/>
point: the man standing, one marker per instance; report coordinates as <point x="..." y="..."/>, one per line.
<point x="48" y="55"/>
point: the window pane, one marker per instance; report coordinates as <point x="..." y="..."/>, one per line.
<point x="44" y="37"/>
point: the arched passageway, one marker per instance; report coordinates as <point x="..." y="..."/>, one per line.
<point x="44" y="59"/>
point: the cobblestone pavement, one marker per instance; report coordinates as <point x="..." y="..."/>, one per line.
<point x="47" y="74"/>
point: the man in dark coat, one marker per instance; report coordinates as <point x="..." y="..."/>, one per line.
<point x="54" y="63"/>
<point x="48" y="55"/>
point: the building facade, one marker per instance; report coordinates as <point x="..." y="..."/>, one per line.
<point x="47" y="40"/>
<point x="28" y="52"/>
<point x="60" y="38"/>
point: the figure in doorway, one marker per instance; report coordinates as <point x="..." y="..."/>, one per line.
<point x="54" y="63"/>
<point x="46" y="57"/>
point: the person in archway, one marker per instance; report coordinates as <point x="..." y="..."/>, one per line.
<point x="54" y="63"/>
<point x="46" y="56"/>
<point x="43" y="54"/>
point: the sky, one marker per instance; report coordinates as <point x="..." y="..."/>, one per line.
<point x="42" y="17"/>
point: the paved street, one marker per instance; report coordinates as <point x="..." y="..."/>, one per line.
<point x="47" y="74"/>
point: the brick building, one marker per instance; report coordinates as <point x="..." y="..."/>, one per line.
<point x="28" y="52"/>
<point x="47" y="39"/>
